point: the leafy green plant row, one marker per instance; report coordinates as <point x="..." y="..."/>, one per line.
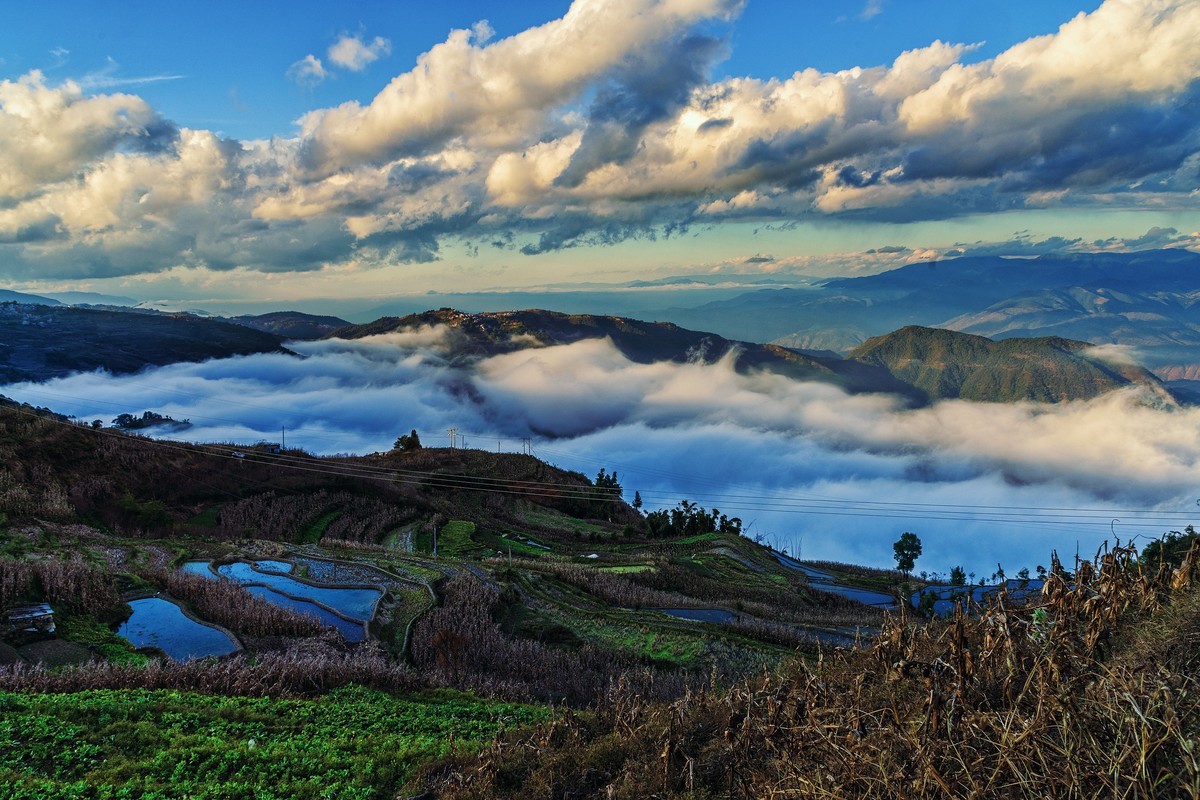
<point x="351" y="743"/>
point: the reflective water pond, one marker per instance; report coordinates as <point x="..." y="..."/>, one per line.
<point x="352" y="631"/>
<point x="827" y="582"/>
<point x="946" y="597"/>
<point x="354" y="603"/>
<point x="160" y="623"/>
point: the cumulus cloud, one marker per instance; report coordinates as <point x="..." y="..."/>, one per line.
<point x="48" y="134"/>
<point x="503" y="90"/>
<point x="352" y="53"/>
<point x="349" y="52"/>
<point x="606" y="125"/>
<point x="308" y="71"/>
<point x="979" y="483"/>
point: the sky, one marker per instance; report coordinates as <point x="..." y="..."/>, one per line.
<point x="309" y="150"/>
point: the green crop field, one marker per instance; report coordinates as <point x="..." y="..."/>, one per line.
<point x="351" y="743"/>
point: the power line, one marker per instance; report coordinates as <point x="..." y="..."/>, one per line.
<point x="799" y="503"/>
<point x="333" y="468"/>
<point x="773" y="501"/>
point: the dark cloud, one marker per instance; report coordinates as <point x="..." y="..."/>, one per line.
<point x="714" y="125"/>
<point x="1154" y="238"/>
<point x="415" y="177"/>
<point x="1066" y="148"/>
<point x="582" y="230"/>
<point x="850" y="176"/>
<point x="158" y="136"/>
<point x="789" y="160"/>
<point x="647" y="88"/>
<point x="44" y="230"/>
<point x="1022" y="244"/>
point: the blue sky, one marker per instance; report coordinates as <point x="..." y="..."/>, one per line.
<point x="311" y="149"/>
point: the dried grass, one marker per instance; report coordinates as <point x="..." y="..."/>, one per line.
<point x="1090" y="691"/>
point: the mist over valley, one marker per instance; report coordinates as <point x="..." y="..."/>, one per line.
<point x="813" y="464"/>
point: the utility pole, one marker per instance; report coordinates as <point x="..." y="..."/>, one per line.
<point x="453" y="437"/>
<point x="283" y="437"/>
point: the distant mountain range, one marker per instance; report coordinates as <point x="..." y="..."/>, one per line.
<point x="1149" y="300"/>
<point x="39" y="342"/>
<point x="487" y="334"/>
<point x="922" y="364"/>
<point x="867" y="334"/>
<point x="9" y="296"/>
<point x="291" y="324"/>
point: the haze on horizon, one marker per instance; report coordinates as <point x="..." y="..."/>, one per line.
<point x="369" y="150"/>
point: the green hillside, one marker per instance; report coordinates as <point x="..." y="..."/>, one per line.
<point x="948" y="364"/>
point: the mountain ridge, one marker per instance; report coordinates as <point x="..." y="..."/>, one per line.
<point x="1048" y="369"/>
<point x="40" y="342"/>
<point x="1160" y="290"/>
<point x="945" y="364"/>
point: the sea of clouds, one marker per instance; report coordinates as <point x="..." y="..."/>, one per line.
<point x="806" y="466"/>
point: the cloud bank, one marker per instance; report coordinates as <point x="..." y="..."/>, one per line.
<point x="598" y="127"/>
<point x="808" y="466"/>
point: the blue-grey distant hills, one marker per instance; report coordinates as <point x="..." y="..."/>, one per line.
<point x="9" y="296"/>
<point x="1150" y="300"/>
<point x="40" y="341"/>
<point x="92" y="299"/>
<point x="290" y="324"/>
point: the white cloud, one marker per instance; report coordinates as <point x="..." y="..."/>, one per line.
<point x="872" y="9"/>
<point x="604" y="125"/>
<point x="48" y="134"/>
<point x="762" y="446"/>
<point x="352" y="53"/>
<point x="505" y="88"/>
<point x="308" y="71"/>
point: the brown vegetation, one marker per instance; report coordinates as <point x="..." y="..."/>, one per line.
<point x="461" y="645"/>
<point x="232" y="606"/>
<point x="1090" y="691"/>
<point x="16" y="580"/>
<point x="300" y="672"/>
<point x="620" y="591"/>
<point x="69" y="584"/>
<point x="769" y="602"/>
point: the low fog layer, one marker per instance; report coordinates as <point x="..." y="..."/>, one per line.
<point x="807" y="467"/>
